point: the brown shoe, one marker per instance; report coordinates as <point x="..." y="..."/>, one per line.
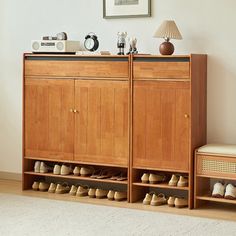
<point x="62" y="188"/>
<point x="171" y="201"/>
<point x="82" y="191"/>
<point x="181" y="202"/>
<point x="158" y="200"/>
<point x="52" y="188"/>
<point x="35" y="186"/>
<point x="122" y="177"/>
<point x="111" y="195"/>
<point x="148" y="198"/>
<point x="86" y="171"/>
<point x="174" y="180"/>
<point x="183" y="181"/>
<point x="105" y="174"/>
<point x="43" y="186"/>
<point x="96" y="173"/>
<point x="120" y="196"/>
<point x="91" y="193"/>
<point x="156" y="178"/>
<point x="100" y="193"/>
<point x="73" y="190"/>
<point x="145" y="178"/>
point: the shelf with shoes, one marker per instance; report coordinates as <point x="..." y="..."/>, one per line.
<point x="215" y="175"/>
<point x="38" y="170"/>
<point x="155" y="188"/>
<point x="79" y="190"/>
<point x="73" y="162"/>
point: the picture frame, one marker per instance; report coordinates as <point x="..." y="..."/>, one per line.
<point x="126" y="8"/>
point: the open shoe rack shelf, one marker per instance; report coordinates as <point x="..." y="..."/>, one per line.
<point x="139" y="114"/>
<point x="211" y="168"/>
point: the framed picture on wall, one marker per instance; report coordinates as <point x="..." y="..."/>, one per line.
<point x="126" y="8"/>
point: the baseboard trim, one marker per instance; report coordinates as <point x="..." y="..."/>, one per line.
<point x="10" y="176"/>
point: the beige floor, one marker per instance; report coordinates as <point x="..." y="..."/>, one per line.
<point x="215" y="211"/>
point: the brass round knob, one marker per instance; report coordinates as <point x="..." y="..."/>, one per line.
<point x="71" y="110"/>
<point x="186" y="116"/>
<point x="75" y="111"/>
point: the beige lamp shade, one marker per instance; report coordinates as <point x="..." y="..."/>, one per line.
<point x="168" y="30"/>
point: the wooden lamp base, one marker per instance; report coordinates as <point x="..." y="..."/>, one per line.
<point x="166" y="48"/>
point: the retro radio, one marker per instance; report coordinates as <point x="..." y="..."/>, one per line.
<point x="58" y="44"/>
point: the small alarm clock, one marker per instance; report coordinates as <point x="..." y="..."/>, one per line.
<point x="91" y="42"/>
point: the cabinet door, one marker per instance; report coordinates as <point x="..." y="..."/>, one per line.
<point x="48" y="121"/>
<point x="101" y="123"/>
<point x="161" y="125"/>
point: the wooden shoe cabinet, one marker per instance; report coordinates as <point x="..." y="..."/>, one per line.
<point x="131" y="113"/>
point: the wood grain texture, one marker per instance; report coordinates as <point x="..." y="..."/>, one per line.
<point x="49" y="124"/>
<point x="156" y="70"/>
<point x="198" y="71"/>
<point x="101" y="124"/>
<point x="103" y="69"/>
<point x="160" y="128"/>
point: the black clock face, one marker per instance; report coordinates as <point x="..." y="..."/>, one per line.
<point x="91" y="42"/>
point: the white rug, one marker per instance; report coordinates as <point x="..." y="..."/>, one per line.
<point x="21" y="215"/>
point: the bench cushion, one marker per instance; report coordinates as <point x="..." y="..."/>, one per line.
<point x="224" y="149"/>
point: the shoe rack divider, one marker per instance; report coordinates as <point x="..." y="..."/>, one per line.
<point x="30" y="176"/>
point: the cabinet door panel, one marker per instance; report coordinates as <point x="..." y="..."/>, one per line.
<point x="160" y="129"/>
<point x="101" y="125"/>
<point x="48" y="123"/>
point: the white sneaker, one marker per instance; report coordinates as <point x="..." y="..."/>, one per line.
<point x="76" y="170"/>
<point x="37" y="166"/>
<point x="230" y="192"/>
<point x="218" y="190"/>
<point x="57" y="169"/>
<point x="66" y="170"/>
<point x="44" y="168"/>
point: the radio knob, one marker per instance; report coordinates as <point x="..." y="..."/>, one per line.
<point x="35" y="46"/>
<point x="60" y="46"/>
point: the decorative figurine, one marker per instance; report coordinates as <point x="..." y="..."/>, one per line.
<point x="132" y="46"/>
<point x="121" y="42"/>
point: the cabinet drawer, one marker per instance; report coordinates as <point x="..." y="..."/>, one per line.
<point x="218" y="166"/>
<point x="161" y="68"/>
<point x="97" y="67"/>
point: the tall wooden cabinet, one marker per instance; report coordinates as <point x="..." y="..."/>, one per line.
<point x="168" y="119"/>
<point x="139" y="114"/>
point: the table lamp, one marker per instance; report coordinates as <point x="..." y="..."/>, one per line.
<point x="167" y="30"/>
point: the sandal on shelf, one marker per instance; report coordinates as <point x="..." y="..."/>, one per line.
<point x="122" y="177"/>
<point x="116" y="175"/>
<point x="105" y="174"/>
<point x="96" y="173"/>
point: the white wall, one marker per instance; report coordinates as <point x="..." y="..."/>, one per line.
<point x="208" y="26"/>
